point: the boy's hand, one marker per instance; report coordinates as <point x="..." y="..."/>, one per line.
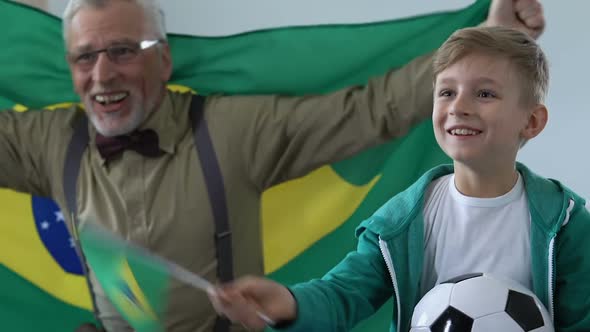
<point x="524" y="15"/>
<point x="250" y="300"/>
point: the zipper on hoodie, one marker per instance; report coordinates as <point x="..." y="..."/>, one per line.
<point x="551" y="265"/>
<point x="389" y="263"/>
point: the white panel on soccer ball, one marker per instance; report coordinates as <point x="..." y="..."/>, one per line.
<point x="420" y="329"/>
<point x="546" y="318"/>
<point x="432" y="305"/>
<point x="497" y="322"/>
<point x="479" y="296"/>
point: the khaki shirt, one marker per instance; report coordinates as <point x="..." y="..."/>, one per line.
<point x="162" y="203"/>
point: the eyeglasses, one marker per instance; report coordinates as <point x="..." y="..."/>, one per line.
<point x="120" y="53"/>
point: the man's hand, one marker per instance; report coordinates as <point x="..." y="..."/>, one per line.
<point x="524" y="15"/>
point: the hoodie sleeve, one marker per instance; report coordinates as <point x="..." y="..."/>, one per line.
<point x="352" y="291"/>
<point x="572" y="302"/>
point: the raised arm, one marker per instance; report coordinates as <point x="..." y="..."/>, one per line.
<point x="279" y="137"/>
<point x="32" y="149"/>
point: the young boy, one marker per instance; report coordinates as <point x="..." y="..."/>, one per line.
<point x="485" y="213"/>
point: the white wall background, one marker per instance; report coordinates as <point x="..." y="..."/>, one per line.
<point x="226" y="17"/>
<point x="560" y="152"/>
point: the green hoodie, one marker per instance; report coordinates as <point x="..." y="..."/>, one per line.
<point x="390" y="253"/>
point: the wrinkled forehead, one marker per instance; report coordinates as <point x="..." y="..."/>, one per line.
<point x="93" y="28"/>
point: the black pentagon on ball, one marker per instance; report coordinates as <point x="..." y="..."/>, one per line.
<point x="452" y="320"/>
<point x="523" y="309"/>
<point x="462" y="277"/>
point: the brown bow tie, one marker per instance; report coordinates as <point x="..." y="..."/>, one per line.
<point x="144" y="142"/>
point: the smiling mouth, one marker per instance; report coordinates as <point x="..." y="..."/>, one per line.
<point x="107" y="99"/>
<point x="464" y="132"/>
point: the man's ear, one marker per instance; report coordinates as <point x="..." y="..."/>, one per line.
<point x="536" y="122"/>
<point x="166" y="62"/>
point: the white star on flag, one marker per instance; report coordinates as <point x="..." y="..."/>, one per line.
<point x="59" y="216"/>
<point x="45" y="225"/>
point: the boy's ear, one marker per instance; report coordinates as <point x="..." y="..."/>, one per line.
<point x="536" y="122"/>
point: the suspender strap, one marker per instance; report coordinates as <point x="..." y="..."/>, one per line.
<point x="76" y="148"/>
<point x="216" y="190"/>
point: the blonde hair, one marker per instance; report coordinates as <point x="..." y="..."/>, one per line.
<point x="521" y="50"/>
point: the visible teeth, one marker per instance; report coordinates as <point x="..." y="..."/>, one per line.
<point x="107" y="99"/>
<point x="464" y="132"/>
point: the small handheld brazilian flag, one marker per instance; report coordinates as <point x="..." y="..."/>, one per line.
<point x="134" y="280"/>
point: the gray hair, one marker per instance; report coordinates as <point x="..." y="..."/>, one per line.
<point x="153" y="13"/>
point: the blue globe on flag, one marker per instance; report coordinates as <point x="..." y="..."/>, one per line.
<point x="51" y="226"/>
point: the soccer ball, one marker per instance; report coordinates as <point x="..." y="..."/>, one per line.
<point x="480" y="302"/>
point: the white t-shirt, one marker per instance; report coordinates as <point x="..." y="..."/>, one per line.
<point x="466" y="234"/>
